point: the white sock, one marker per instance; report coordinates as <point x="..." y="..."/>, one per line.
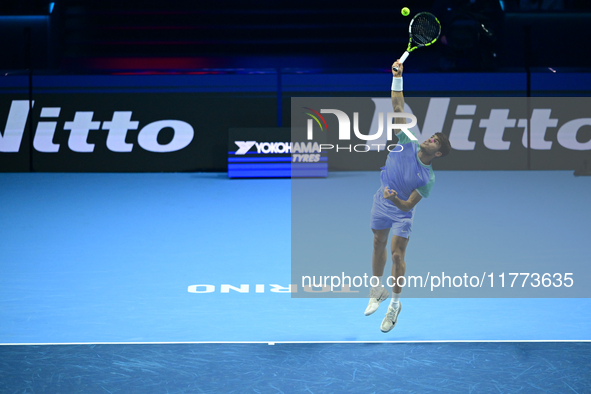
<point x="395" y="300"/>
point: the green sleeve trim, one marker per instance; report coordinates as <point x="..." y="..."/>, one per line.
<point x="425" y="191"/>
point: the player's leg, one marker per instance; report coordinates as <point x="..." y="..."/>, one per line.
<point x="378" y="262"/>
<point x="380" y="254"/>
<point x="398" y="249"/>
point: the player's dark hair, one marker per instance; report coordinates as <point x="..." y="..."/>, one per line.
<point x="444" y="143"/>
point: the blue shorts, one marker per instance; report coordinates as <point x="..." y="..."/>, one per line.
<point x="384" y="215"/>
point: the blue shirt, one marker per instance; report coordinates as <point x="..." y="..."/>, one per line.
<point x="404" y="172"/>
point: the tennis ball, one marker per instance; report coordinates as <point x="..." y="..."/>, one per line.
<point x="405" y="11"/>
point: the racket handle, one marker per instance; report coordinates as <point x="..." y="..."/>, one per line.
<point x="402" y="59"/>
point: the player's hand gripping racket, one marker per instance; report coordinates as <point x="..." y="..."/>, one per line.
<point x="424" y="30"/>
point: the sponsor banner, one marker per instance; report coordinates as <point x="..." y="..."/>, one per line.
<point x="485" y="133"/>
<point x="188" y="131"/>
<point x="123" y="132"/>
<point x="274" y="153"/>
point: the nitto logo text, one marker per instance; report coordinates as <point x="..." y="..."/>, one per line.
<point x="83" y="123"/>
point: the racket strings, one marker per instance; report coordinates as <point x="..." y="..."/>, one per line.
<point x="425" y="29"/>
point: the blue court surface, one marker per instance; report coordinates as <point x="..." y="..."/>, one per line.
<point x="107" y="261"/>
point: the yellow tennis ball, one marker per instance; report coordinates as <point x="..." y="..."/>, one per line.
<point x="405" y="11"/>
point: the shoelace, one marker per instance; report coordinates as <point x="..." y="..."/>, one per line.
<point x="391" y="313"/>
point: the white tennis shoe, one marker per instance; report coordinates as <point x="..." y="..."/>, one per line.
<point x="376" y="296"/>
<point x="391" y="318"/>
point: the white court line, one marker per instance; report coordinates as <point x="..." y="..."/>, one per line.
<point x="300" y="342"/>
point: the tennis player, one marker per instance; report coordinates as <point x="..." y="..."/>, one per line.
<point x="406" y="178"/>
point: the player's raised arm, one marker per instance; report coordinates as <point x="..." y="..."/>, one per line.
<point x="397" y="95"/>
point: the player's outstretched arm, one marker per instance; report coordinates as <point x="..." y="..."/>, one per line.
<point x="397" y="95"/>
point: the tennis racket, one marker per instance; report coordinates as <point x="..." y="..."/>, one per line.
<point x="424" y="30"/>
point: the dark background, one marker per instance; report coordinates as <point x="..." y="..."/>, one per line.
<point x="85" y="36"/>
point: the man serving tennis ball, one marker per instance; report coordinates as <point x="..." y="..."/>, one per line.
<point x="406" y="178"/>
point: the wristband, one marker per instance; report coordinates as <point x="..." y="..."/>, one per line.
<point x="397" y="84"/>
